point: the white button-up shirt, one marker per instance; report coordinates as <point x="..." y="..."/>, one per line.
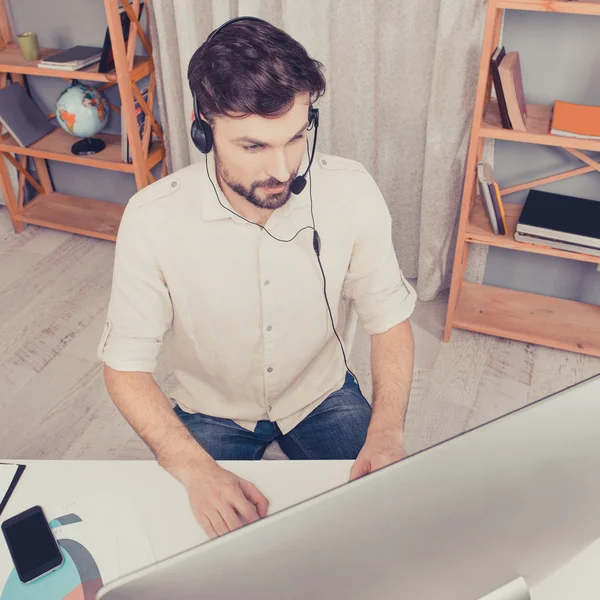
<point x="252" y="336"/>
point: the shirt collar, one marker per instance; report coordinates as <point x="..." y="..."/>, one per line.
<point x="212" y="210"/>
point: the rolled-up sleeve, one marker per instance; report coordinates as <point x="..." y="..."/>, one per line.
<point x="140" y="309"/>
<point x="382" y="297"/>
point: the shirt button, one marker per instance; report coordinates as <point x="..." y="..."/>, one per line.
<point x="270" y="370"/>
<point x="270" y="408"/>
<point x="267" y="282"/>
<point x="269" y="327"/>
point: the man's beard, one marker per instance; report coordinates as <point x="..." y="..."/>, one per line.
<point x="269" y="201"/>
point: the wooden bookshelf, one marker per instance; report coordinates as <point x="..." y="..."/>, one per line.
<point x="576" y="7"/>
<point x="539" y="119"/>
<point x="530" y="318"/>
<point x="479" y="231"/>
<point x="12" y="61"/>
<point x="57" y="146"/>
<point x="76" y="214"/>
<point x="522" y="316"/>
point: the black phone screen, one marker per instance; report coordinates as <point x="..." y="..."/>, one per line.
<point x="32" y="545"/>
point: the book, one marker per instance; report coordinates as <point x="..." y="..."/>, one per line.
<point x="486" y="198"/>
<point x="21" y="116"/>
<point x="495" y="62"/>
<point x="553" y="243"/>
<point x="561" y="218"/>
<point x="491" y="198"/>
<point x="514" y="94"/>
<point x="576" y="120"/>
<point x="498" y="206"/>
<point x="107" y="59"/>
<point x="140" y="116"/>
<point x="72" y="58"/>
<point x="9" y="477"/>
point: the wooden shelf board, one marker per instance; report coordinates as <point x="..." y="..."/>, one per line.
<point x="539" y="119"/>
<point x="579" y="7"/>
<point x="94" y="218"/>
<point x="57" y="146"/>
<point x="479" y="231"/>
<point x="12" y="61"/>
<point x="531" y="318"/>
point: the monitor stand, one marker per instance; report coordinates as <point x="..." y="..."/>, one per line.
<point x="515" y="590"/>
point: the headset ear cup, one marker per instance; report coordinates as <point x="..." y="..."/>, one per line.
<point x="201" y="135"/>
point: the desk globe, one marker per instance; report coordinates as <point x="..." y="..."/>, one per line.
<point x="82" y="111"/>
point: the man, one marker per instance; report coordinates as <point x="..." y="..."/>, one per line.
<point x="222" y="253"/>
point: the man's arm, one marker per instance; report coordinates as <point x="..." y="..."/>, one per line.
<point x="392" y="361"/>
<point x="147" y="410"/>
<point x="139" y="313"/>
<point x="218" y="498"/>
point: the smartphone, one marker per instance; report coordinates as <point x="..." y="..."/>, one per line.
<point x="32" y="544"/>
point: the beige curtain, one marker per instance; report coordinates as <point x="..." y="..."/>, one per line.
<point x="401" y="86"/>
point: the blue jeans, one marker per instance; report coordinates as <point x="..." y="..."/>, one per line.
<point x="336" y="429"/>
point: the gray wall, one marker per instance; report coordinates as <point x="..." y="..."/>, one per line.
<point x="61" y="24"/>
<point x="560" y="59"/>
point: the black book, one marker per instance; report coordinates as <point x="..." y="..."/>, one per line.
<point x="565" y="218"/>
<point x="74" y="54"/>
<point x="497" y="57"/>
<point x="107" y="60"/>
<point x="22" y="116"/>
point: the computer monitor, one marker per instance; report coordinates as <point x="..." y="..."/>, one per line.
<point x="514" y="498"/>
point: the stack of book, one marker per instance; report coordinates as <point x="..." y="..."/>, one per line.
<point x="508" y="83"/>
<point x="563" y="222"/>
<point x="576" y="120"/>
<point x="491" y="199"/>
<point x="72" y="59"/>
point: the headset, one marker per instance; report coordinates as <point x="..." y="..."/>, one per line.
<point x="202" y="137"/>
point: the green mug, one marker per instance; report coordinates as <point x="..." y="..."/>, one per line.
<point x="29" y="46"/>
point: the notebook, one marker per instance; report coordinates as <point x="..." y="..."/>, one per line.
<point x="21" y="116"/>
<point x="77" y="55"/>
<point x="9" y="477"/>
<point x="562" y="218"/>
<point x="576" y="120"/>
<point x="549" y="242"/>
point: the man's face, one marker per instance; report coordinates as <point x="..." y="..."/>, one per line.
<point x="258" y="158"/>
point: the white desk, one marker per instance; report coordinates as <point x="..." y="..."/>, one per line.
<point x="161" y="499"/>
<point x="171" y="527"/>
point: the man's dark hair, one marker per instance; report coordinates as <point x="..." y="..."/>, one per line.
<point x="250" y="67"/>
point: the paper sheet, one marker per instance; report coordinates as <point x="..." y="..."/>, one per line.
<point x="102" y="537"/>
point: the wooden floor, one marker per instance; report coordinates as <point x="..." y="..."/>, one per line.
<point x="54" y="290"/>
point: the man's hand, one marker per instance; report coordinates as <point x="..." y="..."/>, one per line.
<point x="379" y="450"/>
<point x="222" y="501"/>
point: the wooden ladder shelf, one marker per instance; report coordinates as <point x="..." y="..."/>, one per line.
<point x="75" y="214"/>
<point x="516" y="315"/>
